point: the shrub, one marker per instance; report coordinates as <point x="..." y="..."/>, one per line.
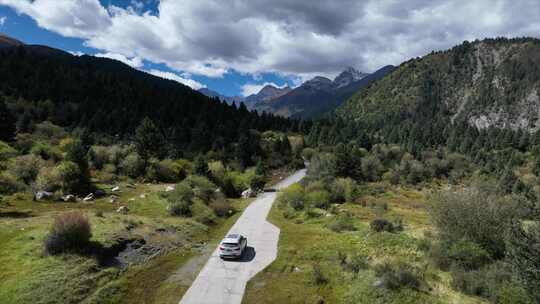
<point x="68" y="176"/>
<point x="485" y="282"/>
<point x="354" y="262"/>
<point x="257" y="182"/>
<point x="478" y="214"/>
<point x="394" y="276"/>
<point x="9" y="184"/>
<point x="341" y="222"/>
<point x="25" y="168"/>
<point x="132" y="165"/>
<point x="202" y="213"/>
<point x="203" y="188"/>
<point x="371" y="168"/>
<point x="6" y="151"/>
<point x="49" y="131"/>
<point x="308" y="153"/>
<point x="23" y="143"/>
<point x="47" y="179"/>
<point x="319" y="278"/>
<point x="166" y="171"/>
<point x="180" y="200"/>
<point x="467" y="255"/>
<point x="180" y="208"/>
<point x="221" y="207"/>
<point x="99" y="156"/>
<point x="70" y="231"/>
<point x="46" y="151"/>
<point x="293" y="197"/>
<point x="344" y="190"/>
<point x="381" y="224"/>
<point x="318" y="199"/>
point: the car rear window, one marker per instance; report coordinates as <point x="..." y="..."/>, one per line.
<point x="230" y="245"/>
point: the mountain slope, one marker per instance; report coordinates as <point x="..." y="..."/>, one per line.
<point x="108" y="97"/>
<point x="321" y="95"/>
<point x="228" y="99"/>
<point x="489" y="83"/>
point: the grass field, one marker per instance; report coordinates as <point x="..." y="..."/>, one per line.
<point x="29" y="276"/>
<point x="309" y="266"/>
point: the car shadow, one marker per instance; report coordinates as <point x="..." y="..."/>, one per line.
<point x="247" y="256"/>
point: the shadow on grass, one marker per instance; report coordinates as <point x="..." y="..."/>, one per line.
<point x="16" y="214"/>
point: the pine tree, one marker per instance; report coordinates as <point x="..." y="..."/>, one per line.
<point x="149" y="140"/>
<point x="7" y="123"/>
<point x="201" y="166"/>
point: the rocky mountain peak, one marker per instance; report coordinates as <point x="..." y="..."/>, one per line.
<point x="348" y="76"/>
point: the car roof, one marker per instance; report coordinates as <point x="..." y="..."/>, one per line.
<point x="232" y="238"/>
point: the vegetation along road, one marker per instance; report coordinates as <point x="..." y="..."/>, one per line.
<point x="224" y="281"/>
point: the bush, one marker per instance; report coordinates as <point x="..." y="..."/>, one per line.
<point x="132" y="165"/>
<point x="25" y="168"/>
<point x="318" y="199"/>
<point x="221" y="207"/>
<point x="46" y="151"/>
<point x="380" y="224"/>
<point x="166" y="171"/>
<point x="99" y="156"/>
<point x="202" y="213"/>
<point x="203" y="188"/>
<point x="180" y="200"/>
<point x="6" y="151"/>
<point x="71" y="232"/>
<point x="319" y="278"/>
<point x="344" y="190"/>
<point x="257" y="182"/>
<point x="9" y="184"/>
<point x="308" y="153"/>
<point x="293" y="197"/>
<point x="479" y="214"/>
<point x="354" y="262"/>
<point x="49" y="131"/>
<point x="47" y="179"/>
<point x="394" y="276"/>
<point x="467" y="255"/>
<point x="180" y="208"/>
<point x="485" y="282"/>
<point x="341" y="222"/>
<point x="68" y="176"/>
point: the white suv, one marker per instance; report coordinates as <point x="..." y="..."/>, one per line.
<point x="232" y="246"/>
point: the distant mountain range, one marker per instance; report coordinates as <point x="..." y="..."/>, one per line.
<point x="312" y="99"/>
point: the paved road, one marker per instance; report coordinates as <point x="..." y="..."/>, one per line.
<point x="224" y="282"/>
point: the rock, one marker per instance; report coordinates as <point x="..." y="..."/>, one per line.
<point x="142" y="195"/>
<point x="69" y="198"/>
<point x="89" y="197"/>
<point x="113" y="199"/>
<point x="130" y="186"/>
<point x="122" y="209"/>
<point x="115" y="189"/>
<point x="43" y="196"/>
<point x="248" y="193"/>
<point x="99" y="193"/>
<point x="131" y="199"/>
<point x="169" y="189"/>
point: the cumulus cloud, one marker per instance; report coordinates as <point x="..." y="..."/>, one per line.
<point x="135" y="62"/>
<point x="172" y="76"/>
<point x="3" y="20"/>
<point x="254" y="88"/>
<point x="292" y="38"/>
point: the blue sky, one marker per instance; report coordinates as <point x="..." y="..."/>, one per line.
<point x="26" y="29"/>
<point x="237" y="46"/>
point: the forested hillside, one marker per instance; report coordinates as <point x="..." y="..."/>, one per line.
<point x="108" y="97"/>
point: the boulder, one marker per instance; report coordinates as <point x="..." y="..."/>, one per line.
<point x="249" y="193"/>
<point x="69" y="198"/>
<point x="122" y="209"/>
<point x="44" y="196"/>
<point x="142" y="195"/>
<point x="115" y="189"/>
<point x="169" y="189"/>
<point x="89" y="197"/>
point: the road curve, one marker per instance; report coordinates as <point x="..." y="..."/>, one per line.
<point x="224" y="282"/>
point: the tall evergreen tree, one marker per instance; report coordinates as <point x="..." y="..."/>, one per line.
<point x="7" y="123"/>
<point x="149" y="140"/>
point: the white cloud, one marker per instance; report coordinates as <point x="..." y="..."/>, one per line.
<point x="254" y="88"/>
<point x="76" y="53"/>
<point x="3" y="20"/>
<point x="211" y="37"/>
<point x="172" y="76"/>
<point x="135" y="62"/>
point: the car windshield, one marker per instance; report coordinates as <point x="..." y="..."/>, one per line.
<point x="230" y="245"/>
